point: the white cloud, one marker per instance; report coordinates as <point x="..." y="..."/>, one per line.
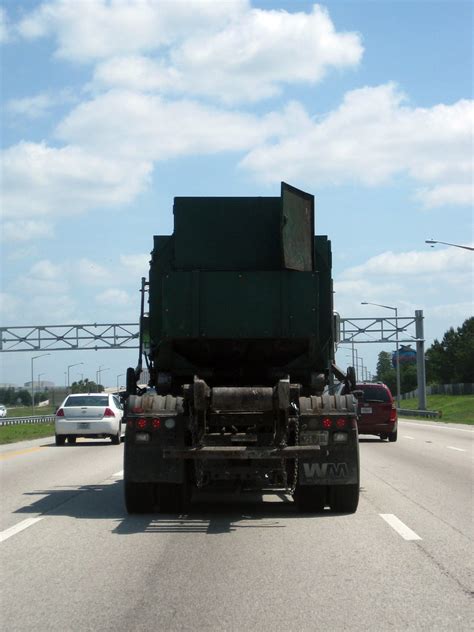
<point x="88" y="272"/>
<point x="38" y="105"/>
<point x="24" y="230"/>
<point x="31" y="107"/>
<point x="409" y="280"/>
<point x="437" y="282"/>
<point x="110" y="27"/>
<point x="43" y="180"/>
<point x="44" y="279"/>
<point x="228" y="51"/>
<point x="9" y="304"/>
<point x="449" y="262"/>
<point x="138" y="126"/>
<point x="246" y="61"/>
<point x="374" y="136"/>
<point x="136" y="265"/>
<point x="113" y="297"/>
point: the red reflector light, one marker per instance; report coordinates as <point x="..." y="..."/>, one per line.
<point x="141" y="423"/>
<point x="109" y="413"/>
<point x="327" y="422"/>
<point x="156" y="423"/>
<point x="137" y="409"/>
<point x="341" y="423"/>
<point x="60" y="412"/>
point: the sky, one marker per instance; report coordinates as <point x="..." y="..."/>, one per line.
<point x="111" y="108"/>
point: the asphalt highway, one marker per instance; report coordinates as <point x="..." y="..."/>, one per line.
<point x="72" y="560"/>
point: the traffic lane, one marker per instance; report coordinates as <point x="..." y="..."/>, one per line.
<point x="421" y="488"/>
<point x="460" y="436"/>
<point x="37" y="475"/>
<point x="226" y="565"/>
<point x="426" y="473"/>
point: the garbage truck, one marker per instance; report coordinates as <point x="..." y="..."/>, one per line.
<point x="237" y="337"/>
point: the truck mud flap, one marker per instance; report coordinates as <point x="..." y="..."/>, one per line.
<point x="147" y="465"/>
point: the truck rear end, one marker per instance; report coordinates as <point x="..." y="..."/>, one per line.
<point x="239" y="345"/>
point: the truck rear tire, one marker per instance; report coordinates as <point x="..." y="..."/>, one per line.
<point x="169" y="497"/>
<point x="139" y="498"/>
<point x="344" y="498"/>
<point x="311" y="498"/>
<point x="392" y="437"/>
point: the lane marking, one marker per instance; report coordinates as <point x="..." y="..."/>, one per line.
<point x="118" y="474"/>
<point x="407" y="437"/>
<point x="21" y="526"/>
<point x="422" y="425"/>
<point x="10" y="455"/>
<point x="451" y="447"/>
<point x="400" y="527"/>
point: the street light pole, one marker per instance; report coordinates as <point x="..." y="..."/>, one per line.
<point x="446" y="243"/>
<point x="32" y="380"/>
<point x="70" y="367"/>
<point x="118" y="378"/>
<point x="355" y="360"/>
<point x="397" y="355"/>
<point x="99" y="371"/>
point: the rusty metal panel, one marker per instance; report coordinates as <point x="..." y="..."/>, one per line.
<point x="297" y="229"/>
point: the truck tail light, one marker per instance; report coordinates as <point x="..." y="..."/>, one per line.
<point x="393" y="415"/>
<point x="156" y="423"/>
<point x="140" y="423"/>
<point x="341" y="423"/>
<point x="327" y="423"/>
<point x="109" y="413"/>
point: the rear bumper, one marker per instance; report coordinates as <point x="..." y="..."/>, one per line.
<point x="78" y="429"/>
<point x="376" y="428"/>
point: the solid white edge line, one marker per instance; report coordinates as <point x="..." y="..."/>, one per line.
<point x="407" y="437"/>
<point x="400" y="527"/>
<point x="21" y="526"/>
<point x="451" y="447"/>
<point x="422" y="425"/>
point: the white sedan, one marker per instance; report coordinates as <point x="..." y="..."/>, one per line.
<point x="91" y="415"/>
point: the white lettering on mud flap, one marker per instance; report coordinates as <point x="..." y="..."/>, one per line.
<point x="325" y="470"/>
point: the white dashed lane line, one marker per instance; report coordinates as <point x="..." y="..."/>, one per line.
<point x="29" y="522"/>
<point x="21" y="526"/>
<point x="421" y="425"/>
<point x="407" y="437"/>
<point x="400" y="527"/>
<point x="451" y="447"/>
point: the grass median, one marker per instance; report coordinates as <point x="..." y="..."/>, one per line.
<point x="454" y="408"/>
<point x="26" y="432"/>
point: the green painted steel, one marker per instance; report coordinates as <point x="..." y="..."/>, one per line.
<point x="242" y="287"/>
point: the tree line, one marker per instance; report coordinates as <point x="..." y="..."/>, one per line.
<point x="449" y="361"/>
<point x="11" y="396"/>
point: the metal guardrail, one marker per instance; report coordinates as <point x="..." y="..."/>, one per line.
<point x="432" y="414"/>
<point x="14" y="421"/>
